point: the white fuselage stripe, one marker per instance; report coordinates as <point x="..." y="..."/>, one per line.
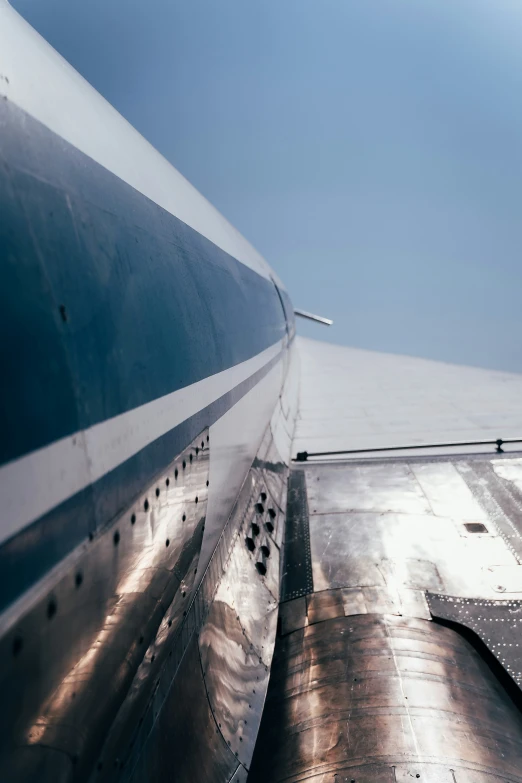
<point x="37" y="482"/>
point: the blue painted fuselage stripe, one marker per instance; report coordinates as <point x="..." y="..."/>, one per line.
<point x="107" y="301"/>
<point x="26" y="557"/>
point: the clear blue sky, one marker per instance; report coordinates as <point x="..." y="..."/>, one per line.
<point x="370" y="149"/>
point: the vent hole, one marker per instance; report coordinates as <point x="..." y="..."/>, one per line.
<point x="146" y="504"/>
<point x="51" y="608"/>
<point x="116" y="538"/>
<point x="167" y="542"/>
<point x="133" y="519"/>
<point x="18" y="644"/>
<point x="475" y="527"/>
<point x="78" y="579"/>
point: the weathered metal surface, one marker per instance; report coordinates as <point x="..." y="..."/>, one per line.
<point x="383" y="698"/>
<point x="88" y="630"/>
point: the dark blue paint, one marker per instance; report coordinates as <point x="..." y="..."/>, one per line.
<point x="107" y="301"/>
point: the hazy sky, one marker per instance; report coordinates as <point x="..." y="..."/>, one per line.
<point x="370" y="149"/>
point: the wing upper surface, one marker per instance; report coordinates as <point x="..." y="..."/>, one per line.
<point x="357" y="399"/>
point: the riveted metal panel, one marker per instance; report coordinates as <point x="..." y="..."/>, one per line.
<point x="383" y="698"/>
<point x="243" y="590"/>
<point x="186" y="744"/>
<point x="235" y="677"/>
<point x="497" y="623"/>
<point x="92" y="626"/>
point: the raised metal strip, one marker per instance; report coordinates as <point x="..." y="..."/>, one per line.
<point x="497" y="623"/>
<point x="297" y="569"/>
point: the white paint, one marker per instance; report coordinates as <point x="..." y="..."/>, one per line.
<point x="34" y="484"/>
<point x="350" y="399"/>
<point x="38" y="80"/>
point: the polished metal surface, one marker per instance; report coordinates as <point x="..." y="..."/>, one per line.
<point x="228" y="632"/>
<point x="365" y="687"/>
<point x="312" y="317"/>
<point x="236" y="679"/>
<point x="186" y="744"/>
<point x="77" y="645"/>
<point x="406" y="526"/>
<point x="380" y="698"/>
